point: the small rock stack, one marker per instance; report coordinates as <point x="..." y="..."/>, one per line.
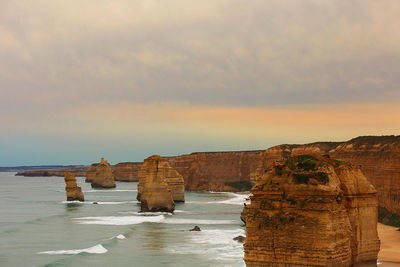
<point x="103" y="176"/>
<point x="74" y="192"/>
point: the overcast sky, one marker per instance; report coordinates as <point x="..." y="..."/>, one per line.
<point x="127" y="79"/>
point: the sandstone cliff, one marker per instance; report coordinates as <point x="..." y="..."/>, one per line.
<point x="379" y="158"/>
<point x="311" y="211"/>
<point x="103" y="177"/>
<point x="159" y="166"/>
<point x="74" y="192"/>
<point x="59" y="172"/>
<point x="153" y="191"/>
<point x="217" y="171"/>
<point x="127" y="171"/>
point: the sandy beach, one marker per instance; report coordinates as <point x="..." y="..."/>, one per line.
<point x="389" y="254"/>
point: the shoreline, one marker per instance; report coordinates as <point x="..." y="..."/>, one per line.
<point x="389" y="255"/>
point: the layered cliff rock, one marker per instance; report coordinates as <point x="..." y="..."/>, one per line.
<point x="58" y="172"/>
<point x="103" y="177"/>
<point x="159" y="166"/>
<point x="379" y="159"/>
<point x="127" y="171"/>
<point x="153" y="191"/>
<point x="217" y="171"/>
<point x="311" y="211"/>
<point x="74" y="192"/>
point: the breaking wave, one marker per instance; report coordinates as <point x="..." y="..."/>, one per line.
<point x="98" y="249"/>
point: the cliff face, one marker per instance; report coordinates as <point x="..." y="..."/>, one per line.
<point x="77" y="171"/>
<point x="153" y="191"/>
<point x="74" y="192"/>
<point x="311" y="211"/>
<point x="103" y="177"/>
<point x="127" y="171"/>
<point x="217" y="171"/>
<point x="379" y="158"/>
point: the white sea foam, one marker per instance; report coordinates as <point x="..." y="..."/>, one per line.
<point x="217" y="244"/>
<point x="196" y="221"/>
<point x="236" y="199"/>
<point x="118" y="220"/>
<point x="98" y="249"/>
<point x="102" y="202"/>
<point x="129" y="220"/>
<point x="110" y="190"/>
<point x="151" y="213"/>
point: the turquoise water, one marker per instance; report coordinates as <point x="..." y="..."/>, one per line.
<point x="39" y="228"/>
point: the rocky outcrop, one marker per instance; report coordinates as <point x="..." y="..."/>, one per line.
<point x="103" y="177"/>
<point x="74" y="192"/>
<point x="311" y="211"/>
<point x="217" y="171"/>
<point x="127" y="171"/>
<point x="153" y="191"/>
<point x="173" y="179"/>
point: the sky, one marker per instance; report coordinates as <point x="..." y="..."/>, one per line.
<point x="125" y="79"/>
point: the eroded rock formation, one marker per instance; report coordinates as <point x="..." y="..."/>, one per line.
<point x="74" y="192"/>
<point x="312" y="211"/>
<point x="103" y="177"/>
<point x="127" y="171"/>
<point x="91" y="173"/>
<point x="174" y="180"/>
<point x="153" y="191"/>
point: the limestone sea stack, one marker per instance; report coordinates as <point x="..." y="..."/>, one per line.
<point x="153" y="191"/>
<point x="174" y="180"/>
<point x="312" y="211"/>
<point x="74" y="192"/>
<point x="103" y="177"/>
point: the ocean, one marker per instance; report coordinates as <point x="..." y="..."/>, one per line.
<point x="39" y="228"/>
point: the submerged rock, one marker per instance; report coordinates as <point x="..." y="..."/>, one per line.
<point x="159" y="166"/>
<point x="311" y="211"/>
<point x="195" y="229"/>
<point x="74" y="192"/>
<point x="153" y="190"/>
<point x="240" y="239"/>
<point x="103" y="177"/>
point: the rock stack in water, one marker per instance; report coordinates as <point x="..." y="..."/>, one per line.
<point x="103" y="177"/>
<point x="154" y="192"/>
<point x="74" y="192"/>
<point x="312" y="211"/>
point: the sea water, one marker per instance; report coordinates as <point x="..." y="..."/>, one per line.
<point x="39" y="228"/>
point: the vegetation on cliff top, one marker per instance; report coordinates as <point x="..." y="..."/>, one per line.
<point x="303" y="168"/>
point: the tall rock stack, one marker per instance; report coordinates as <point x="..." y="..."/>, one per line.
<point x="104" y="177"/>
<point x="74" y="192"/>
<point x="311" y="211"/>
<point x="153" y="190"/>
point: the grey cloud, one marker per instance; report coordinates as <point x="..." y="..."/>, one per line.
<point x="236" y="53"/>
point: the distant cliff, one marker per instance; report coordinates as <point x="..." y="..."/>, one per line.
<point x="77" y="171"/>
<point x="127" y="171"/>
<point x="217" y="171"/>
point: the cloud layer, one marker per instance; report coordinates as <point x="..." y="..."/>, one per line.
<point x="64" y="61"/>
